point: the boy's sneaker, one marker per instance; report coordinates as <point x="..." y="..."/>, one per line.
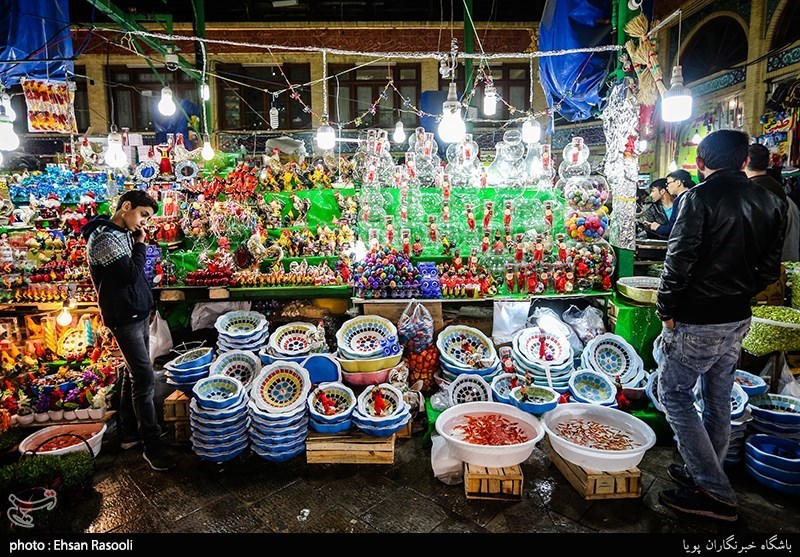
<point x="694" y="501"/>
<point x="159" y="459"/>
<point x="680" y="475"/>
<point x="129" y="444"/>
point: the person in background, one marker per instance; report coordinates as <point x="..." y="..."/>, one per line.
<point x="678" y="183"/>
<point x="659" y="210"/>
<point x="115" y="249"/>
<point x="725" y="247"/>
<point x="757" y="171"/>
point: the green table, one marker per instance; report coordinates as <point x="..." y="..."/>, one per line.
<point x="639" y="325"/>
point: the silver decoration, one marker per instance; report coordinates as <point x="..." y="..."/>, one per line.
<point x="620" y="121"/>
<point x="141" y="173"/>
<point x="186" y="170"/>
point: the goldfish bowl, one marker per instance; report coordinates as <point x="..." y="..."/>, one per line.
<point x="341" y="399"/>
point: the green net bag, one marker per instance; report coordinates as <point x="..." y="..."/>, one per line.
<point x="773" y="329"/>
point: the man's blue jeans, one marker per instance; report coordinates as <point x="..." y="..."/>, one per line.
<point x="710" y="352"/>
<point x="137" y="407"/>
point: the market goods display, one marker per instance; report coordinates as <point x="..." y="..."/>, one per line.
<point x="773" y="329"/>
<point x="219" y="419"/>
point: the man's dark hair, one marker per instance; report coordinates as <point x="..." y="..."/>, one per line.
<point x="759" y="157"/>
<point x="659" y="184"/>
<point x="724" y="149"/>
<point x="682" y="176"/>
<point x="138" y="198"/>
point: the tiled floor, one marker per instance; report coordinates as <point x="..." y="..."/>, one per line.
<point x="252" y="495"/>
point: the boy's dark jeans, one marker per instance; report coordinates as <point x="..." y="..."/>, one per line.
<point x="137" y="407"/>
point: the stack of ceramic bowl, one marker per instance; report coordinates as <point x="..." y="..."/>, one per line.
<point x="279" y="412"/>
<point x="613" y="355"/>
<point x="752" y="384"/>
<point x="331" y="408"/>
<point x="239" y="364"/>
<point x="241" y="330"/>
<point x="777" y="415"/>
<point x="468" y="387"/>
<point x="187" y="369"/>
<point x="736" y="444"/>
<point x="381" y="411"/>
<point x="368" y="349"/>
<point x="464" y="350"/>
<point x="544" y="357"/>
<point x="218" y="417"/>
<point x="774" y="462"/>
<point x="592" y="387"/>
<point x="651" y="390"/>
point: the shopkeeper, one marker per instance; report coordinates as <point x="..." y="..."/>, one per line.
<point x="658" y="211"/>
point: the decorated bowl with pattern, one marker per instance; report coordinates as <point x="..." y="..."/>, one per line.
<point x="613" y="355"/>
<point x="292" y="339"/>
<point x="781" y="409"/>
<point x="534" y="399"/>
<point x="501" y="387"/>
<point x="465" y="347"/>
<point x="192" y="359"/>
<point x="468" y="387"/>
<point x="218" y="391"/>
<point x="361" y="336"/>
<point x="592" y="387"/>
<point x="537" y="347"/>
<point x="380" y="401"/>
<point x="241" y="324"/>
<point x="281" y="387"/>
<point x="331" y="402"/>
<point x="752" y="384"/>
<point x="240" y="364"/>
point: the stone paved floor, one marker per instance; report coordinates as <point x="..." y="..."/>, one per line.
<point x="252" y="495"/>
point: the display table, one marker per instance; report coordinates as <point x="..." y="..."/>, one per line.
<point x="638" y="324"/>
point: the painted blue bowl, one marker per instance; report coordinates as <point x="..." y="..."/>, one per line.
<point x="218" y="391"/>
<point x="221" y="457"/>
<point x="342" y="401"/>
<point x="269" y="430"/>
<point x="592" y="387"/>
<point x="501" y="388"/>
<point x="184" y="378"/>
<point x="279" y="456"/>
<point x="783" y="487"/>
<point x="535" y="399"/>
<point x="780" y="453"/>
<point x="370" y="421"/>
<point x="278" y="442"/>
<point x="289" y="417"/>
<point x="384" y="430"/>
<point x="210" y="414"/>
<point x="335" y="427"/>
<point x="781" y="409"/>
<point x="229" y="439"/>
<point x="219" y="430"/>
<point x="322" y="368"/>
<point x="212" y="449"/>
<point x="191" y="359"/>
<point x="241" y="324"/>
<point x="458" y="345"/>
<point x="752" y="384"/>
<point x="458" y="370"/>
<point x="771" y="472"/>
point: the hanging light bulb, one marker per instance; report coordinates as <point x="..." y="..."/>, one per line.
<point x="8" y="139"/>
<point x="208" y="152"/>
<point x="676" y="104"/>
<point x="115" y="157"/>
<point x="5" y="100"/>
<point x="205" y="92"/>
<point x="452" y="128"/>
<point x="399" y="135"/>
<point x="273" y="118"/>
<point x="326" y="135"/>
<point x="166" y="105"/>
<point x="642" y="145"/>
<point x="673" y="166"/>
<point x="531" y="131"/>
<point x="64" y="317"/>
<point x="696" y="139"/>
<point x="490" y="101"/>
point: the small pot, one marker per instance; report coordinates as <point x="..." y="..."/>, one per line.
<point x="56" y="415"/>
<point x="82" y="413"/>
<point x="70" y="415"/>
<point x="24" y="419"/>
<point x="41" y="416"/>
<point x="97" y="413"/>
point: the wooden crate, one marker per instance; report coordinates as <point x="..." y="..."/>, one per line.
<point x="592" y="484"/>
<point x="176" y="407"/>
<point x="349" y="448"/>
<point x="481" y="482"/>
<point x="392" y="311"/>
<point x="405" y="433"/>
<point x="182" y="430"/>
<point x="172" y="295"/>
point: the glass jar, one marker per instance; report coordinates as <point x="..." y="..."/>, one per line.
<point x="586" y="226"/>
<point x="584" y="194"/>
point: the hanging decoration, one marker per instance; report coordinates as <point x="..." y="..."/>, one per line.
<point x="645" y="61"/>
<point x="621" y="164"/>
<point x="50" y="106"/>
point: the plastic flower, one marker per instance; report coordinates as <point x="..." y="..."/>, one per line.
<point x="56" y="399"/>
<point x="42" y="403"/>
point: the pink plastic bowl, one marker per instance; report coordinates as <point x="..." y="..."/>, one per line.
<point x="366" y="378"/>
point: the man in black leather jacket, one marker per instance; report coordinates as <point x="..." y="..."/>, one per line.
<point x="725" y="247"/>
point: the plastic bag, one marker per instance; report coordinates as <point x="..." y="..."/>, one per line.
<point x="587" y="323"/>
<point x="446" y="468"/>
<point x="509" y="318"/>
<point x="415" y="327"/>
<point x="548" y="320"/>
<point x="160" y="337"/>
<point x="205" y="315"/>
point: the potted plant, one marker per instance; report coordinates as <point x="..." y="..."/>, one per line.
<point x="24" y="408"/>
<point x="41" y="407"/>
<point x="98" y="408"/>
<point x="70" y="404"/>
<point x="56" y="411"/>
<point x="82" y="411"/>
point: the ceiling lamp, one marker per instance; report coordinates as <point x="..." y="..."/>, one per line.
<point x="399" y="135"/>
<point x="452" y="127"/>
<point x="676" y="102"/>
<point x="115" y="157"/>
<point x="490" y="101"/>
<point x="166" y="105"/>
<point x="531" y="131"/>
<point x="208" y="152"/>
<point x="326" y="135"/>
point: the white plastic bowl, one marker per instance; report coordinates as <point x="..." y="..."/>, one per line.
<point x="93" y="433"/>
<point x="598" y="459"/>
<point x="494" y="456"/>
